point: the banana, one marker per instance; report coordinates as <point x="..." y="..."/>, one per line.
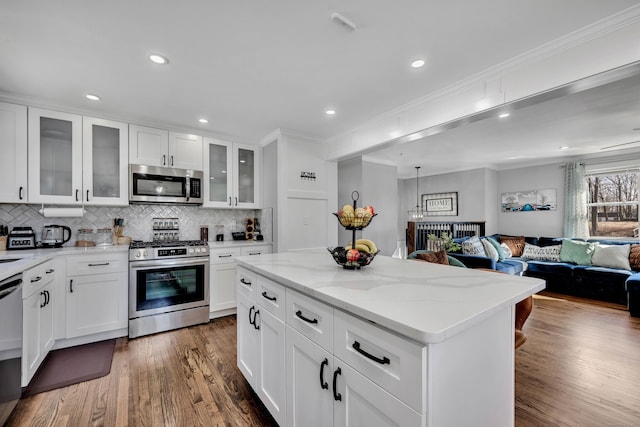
<point x="369" y="243"/>
<point x="360" y="247"/>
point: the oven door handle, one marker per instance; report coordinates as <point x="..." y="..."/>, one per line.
<point x="169" y="262"/>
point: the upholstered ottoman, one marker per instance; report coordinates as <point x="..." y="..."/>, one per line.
<point x="633" y="294"/>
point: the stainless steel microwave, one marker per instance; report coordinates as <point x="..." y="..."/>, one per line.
<point x="152" y="184"/>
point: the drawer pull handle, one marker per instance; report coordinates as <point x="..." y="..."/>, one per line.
<point x="323" y="383"/>
<point x="20" y="193"/>
<point x="99" y="264"/>
<point x="250" y="319"/>
<point x="245" y="282"/>
<point x="255" y="253"/>
<point x="255" y="323"/>
<point x="48" y="295"/>
<point x="71" y="286"/>
<point x="36" y="279"/>
<point x="225" y="256"/>
<point x="42" y="304"/>
<point x="266" y="296"/>
<point x="384" y="361"/>
<point x="49" y="271"/>
<point x="336" y="395"/>
<point x="306" y="319"/>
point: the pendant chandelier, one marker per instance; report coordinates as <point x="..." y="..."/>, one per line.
<point x="417" y="214"/>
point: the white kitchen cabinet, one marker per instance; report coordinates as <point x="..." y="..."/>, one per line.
<point x="309" y="382"/>
<point x="13" y="145"/>
<point x="55" y="157"/>
<point x="222" y="281"/>
<point x="340" y="370"/>
<point x="232" y="175"/>
<point x="158" y="147"/>
<point x="105" y="153"/>
<point x="360" y="402"/>
<point x="222" y="277"/>
<point x="261" y="341"/>
<point x="38" y="304"/>
<point x="97" y="293"/>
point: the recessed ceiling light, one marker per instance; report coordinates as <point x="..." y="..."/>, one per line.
<point x="158" y="59"/>
<point x="203" y="121"/>
<point x="564" y="147"/>
<point x="92" y="97"/>
<point x="504" y="115"/>
<point x="330" y="112"/>
<point x="418" y="63"/>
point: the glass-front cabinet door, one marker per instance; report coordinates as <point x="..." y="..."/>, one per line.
<point x="231" y="175"/>
<point x="55" y="157"/>
<point x="218" y="176"/>
<point x="246" y="177"/>
<point x="105" y="162"/>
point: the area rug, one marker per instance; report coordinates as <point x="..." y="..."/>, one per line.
<point x="72" y="365"/>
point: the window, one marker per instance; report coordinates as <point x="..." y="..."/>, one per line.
<point x="613" y="204"/>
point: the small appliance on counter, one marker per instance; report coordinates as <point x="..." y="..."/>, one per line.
<point x="53" y="236"/>
<point x="21" y="238"/>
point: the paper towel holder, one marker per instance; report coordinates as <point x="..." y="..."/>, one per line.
<point x="62" y="212"/>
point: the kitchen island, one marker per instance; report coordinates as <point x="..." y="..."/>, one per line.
<point x="399" y="342"/>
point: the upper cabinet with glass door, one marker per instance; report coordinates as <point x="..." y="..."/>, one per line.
<point x="105" y="152"/>
<point x="75" y="160"/>
<point x="231" y="175"/>
<point x="55" y="157"/>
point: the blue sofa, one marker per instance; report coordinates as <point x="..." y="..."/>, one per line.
<point x="620" y="286"/>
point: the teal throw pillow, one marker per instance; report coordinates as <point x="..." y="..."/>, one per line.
<point x="577" y="252"/>
<point x="499" y="249"/>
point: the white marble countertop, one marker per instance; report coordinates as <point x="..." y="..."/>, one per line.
<point x="28" y="258"/>
<point x="426" y="302"/>
<point x="237" y="243"/>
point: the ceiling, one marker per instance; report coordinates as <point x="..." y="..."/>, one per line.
<point x="587" y="119"/>
<point x="253" y="66"/>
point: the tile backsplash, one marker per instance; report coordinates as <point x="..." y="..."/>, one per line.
<point x="138" y="219"/>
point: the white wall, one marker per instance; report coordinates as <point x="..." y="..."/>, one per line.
<point x="303" y="207"/>
<point x="471" y="188"/>
<point x="377" y="185"/>
<point x="379" y="189"/>
<point x="537" y="223"/>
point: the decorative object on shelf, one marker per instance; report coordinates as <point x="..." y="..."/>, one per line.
<point x="417" y="214"/>
<point x="309" y="176"/>
<point x="354" y="218"/>
<point x="533" y="200"/>
<point x="441" y="204"/>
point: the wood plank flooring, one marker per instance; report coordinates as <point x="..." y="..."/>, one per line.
<point x="579" y="367"/>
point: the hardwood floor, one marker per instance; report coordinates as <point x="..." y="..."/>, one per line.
<point x="579" y="367"/>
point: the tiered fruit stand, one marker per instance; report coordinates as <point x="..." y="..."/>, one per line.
<point x="347" y="258"/>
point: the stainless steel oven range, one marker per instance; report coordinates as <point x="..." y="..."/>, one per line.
<point x="168" y="286"/>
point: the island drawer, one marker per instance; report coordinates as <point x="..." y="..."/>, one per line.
<point x="224" y="255"/>
<point x="79" y="265"/>
<point x="247" y="283"/>
<point x="394" y="363"/>
<point x="271" y="296"/>
<point x="36" y="277"/>
<point x="256" y="250"/>
<point x="311" y="318"/>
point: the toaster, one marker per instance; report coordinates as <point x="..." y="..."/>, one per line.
<point x="21" y="238"/>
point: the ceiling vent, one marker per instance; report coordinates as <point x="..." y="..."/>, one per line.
<point x="345" y="22"/>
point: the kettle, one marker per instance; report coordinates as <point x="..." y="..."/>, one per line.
<point x="54" y="235"/>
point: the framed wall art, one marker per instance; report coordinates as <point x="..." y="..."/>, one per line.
<point x="531" y="200"/>
<point x="440" y="204"/>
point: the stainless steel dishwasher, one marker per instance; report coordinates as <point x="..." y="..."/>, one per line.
<point x="10" y="344"/>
